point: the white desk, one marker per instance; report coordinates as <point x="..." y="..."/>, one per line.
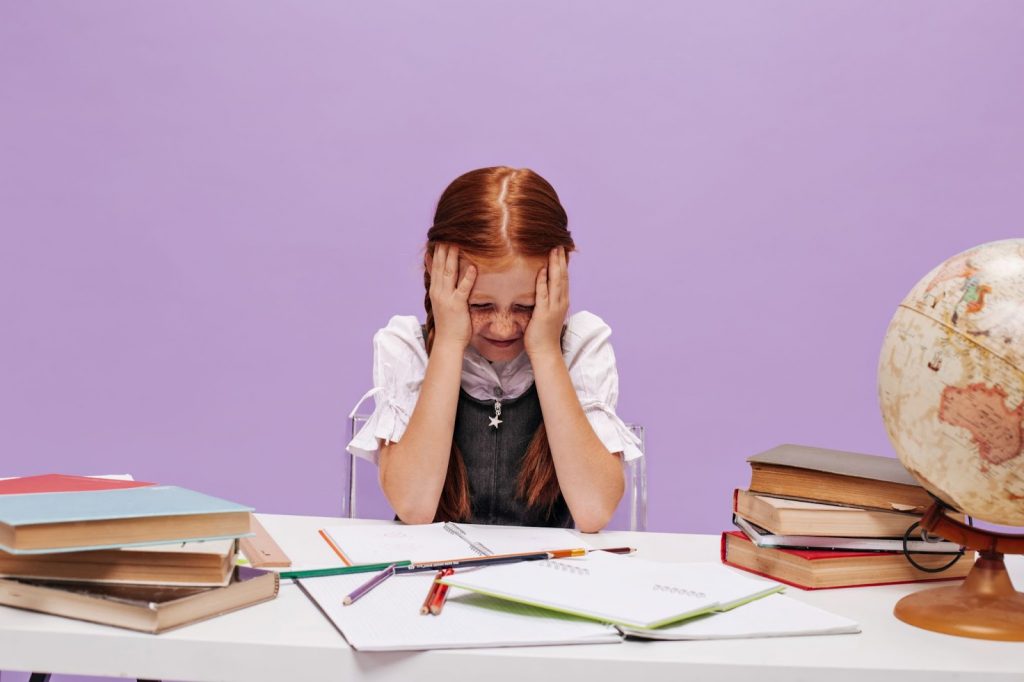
<point x="288" y="639"/>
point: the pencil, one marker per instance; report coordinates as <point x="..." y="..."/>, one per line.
<point x="369" y="585"/>
<point x="441" y="595"/>
<point x="615" y="550"/>
<point x="341" y="570"/>
<point x="473" y="561"/>
<point x="434" y="586"/>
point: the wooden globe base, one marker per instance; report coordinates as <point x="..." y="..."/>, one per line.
<point x="985" y="606"/>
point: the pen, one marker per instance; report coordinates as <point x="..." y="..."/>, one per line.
<point x="474" y="561"/>
<point x="441" y="595"/>
<point x="341" y="570"/>
<point x="369" y="585"/>
<point x="434" y="587"/>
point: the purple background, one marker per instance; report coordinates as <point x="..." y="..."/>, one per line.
<point x="209" y="208"/>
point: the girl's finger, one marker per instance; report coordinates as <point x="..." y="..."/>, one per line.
<point x="437" y="263"/>
<point x="563" y="259"/>
<point x="554" y="279"/>
<point x="451" y="268"/>
<point x="542" y="288"/>
<point x="466" y="285"/>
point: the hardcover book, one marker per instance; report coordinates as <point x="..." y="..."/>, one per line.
<point x="103" y="519"/>
<point x="196" y="564"/>
<point x="837" y="477"/>
<point x="763" y="538"/>
<point x="818" y="569"/>
<point x="137" y="607"/>
<point x="784" y="516"/>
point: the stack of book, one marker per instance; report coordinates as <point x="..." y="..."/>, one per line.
<point x="125" y="553"/>
<point x="817" y="518"/>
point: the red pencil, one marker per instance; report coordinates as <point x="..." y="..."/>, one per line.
<point x="434" y="586"/>
<point x="442" y="593"/>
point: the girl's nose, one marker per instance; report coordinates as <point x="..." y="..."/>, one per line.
<point x="503" y="327"/>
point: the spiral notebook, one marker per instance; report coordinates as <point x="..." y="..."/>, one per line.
<point x="363" y="544"/>
<point x="618" y="589"/>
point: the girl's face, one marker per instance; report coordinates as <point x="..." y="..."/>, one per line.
<point x="500" y="306"/>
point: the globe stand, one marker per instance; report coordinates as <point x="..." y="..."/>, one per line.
<point x="985" y="605"/>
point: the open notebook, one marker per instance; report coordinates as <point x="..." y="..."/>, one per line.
<point x="388" y="618"/>
<point x="616" y="589"/>
<point x="773" y="616"/>
<point x="439" y="541"/>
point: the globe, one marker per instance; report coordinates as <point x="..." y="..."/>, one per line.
<point x="951" y="382"/>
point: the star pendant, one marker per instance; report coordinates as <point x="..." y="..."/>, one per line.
<point x="494" y="422"/>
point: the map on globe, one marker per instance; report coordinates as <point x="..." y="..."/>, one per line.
<point x="951" y="382"/>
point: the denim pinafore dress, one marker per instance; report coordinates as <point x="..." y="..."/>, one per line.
<point x="494" y="458"/>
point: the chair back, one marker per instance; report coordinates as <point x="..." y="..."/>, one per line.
<point x="635" y="472"/>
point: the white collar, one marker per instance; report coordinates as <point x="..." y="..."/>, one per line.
<point x="486" y="381"/>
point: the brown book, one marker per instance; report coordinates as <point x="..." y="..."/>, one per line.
<point x="138" y="607"/>
<point x="195" y="564"/>
<point x="818" y="569"/>
<point x="837" y="477"/>
<point x="783" y="516"/>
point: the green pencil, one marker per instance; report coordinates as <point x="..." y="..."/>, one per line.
<point x="341" y="570"/>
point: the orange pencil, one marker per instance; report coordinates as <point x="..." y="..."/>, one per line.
<point x="442" y="593"/>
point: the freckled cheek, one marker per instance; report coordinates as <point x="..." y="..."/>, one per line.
<point x="480" y="320"/>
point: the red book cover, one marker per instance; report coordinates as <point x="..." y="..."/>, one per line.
<point x="63" y="483"/>
<point x="819" y="555"/>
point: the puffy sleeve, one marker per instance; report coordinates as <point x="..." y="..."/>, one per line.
<point x="399" y="364"/>
<point x="591" y="362"/>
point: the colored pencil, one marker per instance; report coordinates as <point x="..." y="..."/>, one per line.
<point x="341" y="570"/>
<point x="441" y="595"/>
<point x="467" y="562"/>
<point x="368" y="585"/>
<point x="434" y="587"/>
<point x="473" y="561"/>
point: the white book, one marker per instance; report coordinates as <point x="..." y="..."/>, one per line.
<point x="440" y="541"/>
<point x="774" y="616"/>
<point x="763" y="538"/>
<point x="617" y="589"/>
<point x="388" y="618"/>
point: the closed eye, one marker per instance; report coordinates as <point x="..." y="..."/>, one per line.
<point x="523" y="308"/>
<point x="480" y="306"/>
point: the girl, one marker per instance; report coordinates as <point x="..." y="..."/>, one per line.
<point x="498" y="409"/>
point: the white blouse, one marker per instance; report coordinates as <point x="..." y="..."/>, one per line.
<point x="400" y="363"/>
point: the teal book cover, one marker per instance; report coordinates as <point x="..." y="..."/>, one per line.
<point x="28" y="511"/>
<point x="98" y="505"/>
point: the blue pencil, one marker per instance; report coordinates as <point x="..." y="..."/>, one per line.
<point x="369" y="585"/>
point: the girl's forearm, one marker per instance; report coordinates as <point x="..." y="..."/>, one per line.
<point x="412" y="471"/>
<point x="590" y="477"/>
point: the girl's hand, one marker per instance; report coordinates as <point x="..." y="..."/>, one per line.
<point x="544" y="331"/>
<point x="450" y="303"/>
